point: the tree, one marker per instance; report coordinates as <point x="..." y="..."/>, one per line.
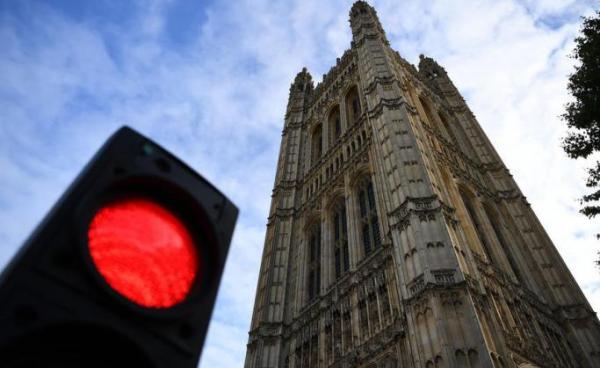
<point x="583" y="114"/>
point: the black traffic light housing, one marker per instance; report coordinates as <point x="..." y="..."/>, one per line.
<point x="57" y="310"/>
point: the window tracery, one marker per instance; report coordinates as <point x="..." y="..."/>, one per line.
<point x="317" y="144"/>
<point x="434" y="119"/>
<point x="363" y="318"/>
<point x="496" y="227"/>
<point x="340" y="239"/>
<point x="353" y="108"/>
<point x="335" y="124"/>
<point x="337" y="337"/>
<point x="368" y="220"/>
<point x="314" y="261"/>
<point x="477" y="223"/>
<point x="314" y="351"/>
<point x="347" y="330"/>
<point x="373" y="311"/>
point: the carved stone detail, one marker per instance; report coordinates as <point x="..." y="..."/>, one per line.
<point x="446" y="263"/>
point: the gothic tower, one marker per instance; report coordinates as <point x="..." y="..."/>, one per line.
<point x="397" y="236"/>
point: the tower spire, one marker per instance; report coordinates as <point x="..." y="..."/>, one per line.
<point x="397" y="237"/>
<point x="303" y="82"/>
<point x="301" y="91"/>
<point x="365" y="22"/>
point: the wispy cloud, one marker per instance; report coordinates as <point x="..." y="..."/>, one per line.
<point x="209" y="81"/>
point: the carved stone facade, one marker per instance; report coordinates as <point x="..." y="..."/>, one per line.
<point x="398" y="238"/>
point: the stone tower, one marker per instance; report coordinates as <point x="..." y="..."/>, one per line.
<point x="397" y="236"/>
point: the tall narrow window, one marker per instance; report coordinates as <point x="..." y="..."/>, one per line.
<point x="337" y="335"/>
<point x="363" y="318"/>
<point x="314" y="261"/>
<point x="369" y="223"/>
<point x="428" y="114"/>
<point x="353" y="109"/>
<point x="298" y="356"/>
<point x="503" y="243"/>
<point x="373" y="312"/>
<point x="347" y="330"/>
<point x="335" y="125"/>
<point x="340" y="239"/>
<point x="385" y="303"/>
<point x="317" y="143"/>
<point x="314" y="351"/>
<point x="476" y="223"/>
<point x="305" y="354"/>
<point x="433" y="122"/>
<point x="457" y="135"/>
<point x="328" y="346"/>
<point x="450" y="134"/>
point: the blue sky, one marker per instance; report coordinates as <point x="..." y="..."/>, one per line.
<point x="209" y="81"/>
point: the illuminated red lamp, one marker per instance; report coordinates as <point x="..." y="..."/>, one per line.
<point x="144" y="252"/>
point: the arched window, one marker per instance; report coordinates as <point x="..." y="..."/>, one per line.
<point x="347" y="330"/>
<point x="317" y="143"/>
<point x="496" y="226"/>
<point x="474" y="358"/>
<point x="373" y="312"/>
<point x="476" y="221"/>
<point x="353" y="108"/>
<point x="439" y="362"/>
<point x="340" y="239"/>
<point x="432" y="117"/>
<point x="429" y="115"/>
<point x="335" y="125"/>
<point x="369" y="223"/>
<point x="337" y="334"/>
<point x="363" y="318"/>
<point x="298" y="356"/>
<point x="427" y="111"/>
<point x="449" y="133"/>
<point x="314" y="350"/>
<point x="305" y="353"/>
<point x="314" y="261"/>
<point x="457" y="134"/>
<point x="328" y="343"/>
<point x="461" y="358"/>
<point x="386" y="313"/>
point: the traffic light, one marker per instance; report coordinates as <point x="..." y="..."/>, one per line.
<point x="124" y="270"/>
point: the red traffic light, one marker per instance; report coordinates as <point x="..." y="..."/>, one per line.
<point x="144" y="252"/>
<point x="124" y="271"/>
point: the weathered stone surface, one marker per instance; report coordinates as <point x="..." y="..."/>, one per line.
<point x="398" y="238"/>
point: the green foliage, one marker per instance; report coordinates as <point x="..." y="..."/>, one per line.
<point x="583" y="114"/>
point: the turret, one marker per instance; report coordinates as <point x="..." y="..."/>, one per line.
<point x="265" y="344"/>
<point x="432" y="72"/>
<point x="365" y="23"/>
<point x="301" y="91"/>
